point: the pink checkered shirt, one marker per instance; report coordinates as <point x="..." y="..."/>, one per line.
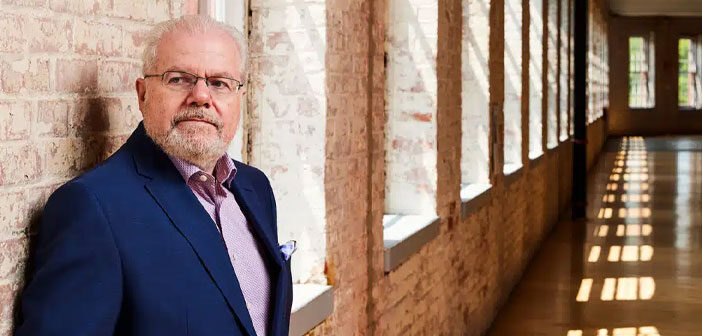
<point x="245" y="253"/>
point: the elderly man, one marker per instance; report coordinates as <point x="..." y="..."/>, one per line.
<point x="169" y="236"/>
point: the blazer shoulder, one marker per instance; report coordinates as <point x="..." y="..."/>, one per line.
<point x="251" y="173"/>
<point x="113" y="172"/>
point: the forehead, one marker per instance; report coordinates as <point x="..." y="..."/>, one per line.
<point x="208" y="53"/>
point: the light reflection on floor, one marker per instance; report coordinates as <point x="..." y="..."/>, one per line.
<point x="634" y="268"/>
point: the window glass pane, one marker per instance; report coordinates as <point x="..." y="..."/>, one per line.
<point x="641" y="72"/>
<point x="688" y="76"/>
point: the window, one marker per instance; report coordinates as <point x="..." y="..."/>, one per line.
<point x="571" y="68"/>
<point x="513" y="85"/>
<point x="689" y="79"/>
<point x="641" y="72"/>
<point x="411" y="131"/>
<point x="475" y="120"/>
<point x="551" y="63"/>
<point x="563" y="68"/>
<point x="536" y="30"/>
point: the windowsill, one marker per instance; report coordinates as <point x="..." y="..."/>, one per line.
<point x="512" y="173"/>
<point x="473" y="197"/>
<point x="311" y="305"/>
<point x="404" y="235"/>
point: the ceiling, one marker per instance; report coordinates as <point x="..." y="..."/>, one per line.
<point x="656" y="7"/>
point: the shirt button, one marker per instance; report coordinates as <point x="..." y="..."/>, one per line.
<point x="203" y="178"/>
<point x="248" y="306"/>
<point x="233" y="257"/>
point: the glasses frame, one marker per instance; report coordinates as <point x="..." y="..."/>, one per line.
<point x="237" y="88"/>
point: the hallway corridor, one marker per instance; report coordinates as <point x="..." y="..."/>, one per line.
<point x="635" y="267"/>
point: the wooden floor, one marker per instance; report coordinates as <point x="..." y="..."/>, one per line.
<point x="635" y="266"/>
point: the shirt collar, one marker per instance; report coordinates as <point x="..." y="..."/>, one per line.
<point x="224" y="170"/>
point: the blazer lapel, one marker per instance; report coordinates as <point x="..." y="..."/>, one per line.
<point x="166" y="186"/>
<point x="248" y="201"/>
<point x="247" y="198"/>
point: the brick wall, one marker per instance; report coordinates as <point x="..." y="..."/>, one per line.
<point x="67" y="101"/>
<point x="65" y="105"/>
<point x="455" y="283"/>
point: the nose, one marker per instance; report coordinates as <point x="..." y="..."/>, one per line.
<point x="199" y="95"/>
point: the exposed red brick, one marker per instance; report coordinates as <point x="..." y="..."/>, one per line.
<point x="424" y="117"/>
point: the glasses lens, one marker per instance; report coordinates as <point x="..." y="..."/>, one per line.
<point x="179" y="80"/>
<point x="221" y="84"/>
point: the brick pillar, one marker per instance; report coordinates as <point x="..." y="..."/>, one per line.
<point x="536" y="31"/>
<point x="286" y="129"/>
<point x="411" y="148"/>
<point x="475" y="94"/>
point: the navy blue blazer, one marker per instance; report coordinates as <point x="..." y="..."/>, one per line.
<point x="127" y="249"/>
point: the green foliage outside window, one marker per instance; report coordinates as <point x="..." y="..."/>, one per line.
<point x="684" y="45"/>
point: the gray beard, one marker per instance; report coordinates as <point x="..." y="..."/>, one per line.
<point x="195" y="149"/>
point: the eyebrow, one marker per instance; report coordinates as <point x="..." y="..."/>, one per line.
<point x="216" y="74"/>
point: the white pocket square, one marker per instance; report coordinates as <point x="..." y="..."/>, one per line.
<point x="288" y="249"/>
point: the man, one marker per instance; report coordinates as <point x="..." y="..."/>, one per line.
<point x="169" y="236"/>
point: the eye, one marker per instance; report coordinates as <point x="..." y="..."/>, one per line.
<point x="179" y="80"/>
<point x="218" y="83"/>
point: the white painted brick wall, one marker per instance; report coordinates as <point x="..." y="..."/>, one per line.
<point x="411" y="151"/>
<point x="563" y="96"/>
<point x="536" y="30"/>
<point x="475" y="118"/>
<point x="552" y="80"/>
<point x="287" y="122"/>
<point x="513" y="82"/>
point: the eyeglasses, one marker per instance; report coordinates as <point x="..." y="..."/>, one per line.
<point x="184" y="81"/>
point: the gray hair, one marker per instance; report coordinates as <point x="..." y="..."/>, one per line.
<point x="189" y="24"/>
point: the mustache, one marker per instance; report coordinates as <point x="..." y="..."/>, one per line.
<point x="192" y="112"/>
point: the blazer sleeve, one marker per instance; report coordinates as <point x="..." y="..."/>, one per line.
<point x="75" y="286"/>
